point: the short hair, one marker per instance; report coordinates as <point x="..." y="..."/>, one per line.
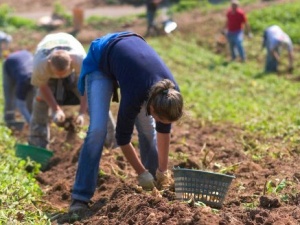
<point x="60" y="60"/>
<point x="166" y="101"/>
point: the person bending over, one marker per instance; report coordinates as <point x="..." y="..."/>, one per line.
<point x="150" y="100"/>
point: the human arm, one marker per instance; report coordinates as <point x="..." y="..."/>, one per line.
<point x="163" y="177"/>
<point x="291" y="61"/>
<point x="58" y="114"/>
<point x="145" y="179"/>
<point x="48" y="97"/>
<point x="275" y="54"/>
<point x="248" y="30"/>
<point x="163" y="143"/>
<point x="82" y="110"/>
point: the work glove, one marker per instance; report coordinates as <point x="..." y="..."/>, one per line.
<point x="224" y="32"/>
<point x="163" y="179"/>
<point x="80" y="120"/>
<point x="250" y="35"/>
<point x="146" y="180"/>
<point x="59" y="116"/>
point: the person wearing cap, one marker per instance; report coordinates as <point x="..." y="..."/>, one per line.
<point x="17" y="90"/>
<point x="56" y="68"/>
<point x="275" y="38"/>
<point x="150" y="101"/>
<point x="5" y="40"/>
<point x="234" y="29"/>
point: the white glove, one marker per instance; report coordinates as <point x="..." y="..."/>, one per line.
<point x="80" y="120"/>
<point x="59" y="116"/>
<point x="146" y="180"/>
<point x="250" y="35"/>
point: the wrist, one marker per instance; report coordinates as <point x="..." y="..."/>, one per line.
<point x="140" y="172"/>
<point x="162" y="171"/>
<point x="56" y="108"/>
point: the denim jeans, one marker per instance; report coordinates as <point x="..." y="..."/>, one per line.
<point x="9" y="92"/>
<point x="39" y="127"/>
<point x="235" y="40"/>
<point x="99" y="89"/>
<point x="271" y="61"/>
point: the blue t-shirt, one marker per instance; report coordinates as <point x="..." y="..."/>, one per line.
<point x="18" y="66"/>
<point x="136" y="67"/>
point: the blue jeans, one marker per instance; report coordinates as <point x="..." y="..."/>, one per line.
<point x="271" y="61"/>
<point x="235" y="40"/>
<point x="99" y="89"/>
<point x="9" y="92"/>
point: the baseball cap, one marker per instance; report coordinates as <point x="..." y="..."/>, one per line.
<point x="235" y="2"/>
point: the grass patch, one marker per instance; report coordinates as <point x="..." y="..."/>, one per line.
<point x="217" y="91"/>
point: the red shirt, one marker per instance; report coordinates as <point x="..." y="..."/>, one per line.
<point x="235" y="20"/>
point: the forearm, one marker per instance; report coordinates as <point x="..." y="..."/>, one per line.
<point x="48" y="97"/>
<point x="276" y="55"/>
<point x="83" y="104"/>
<point x="248" y="30"/>
<point x="163" y="143"/>
<point x="291" y="59"/>
<point x="130" y="154"/>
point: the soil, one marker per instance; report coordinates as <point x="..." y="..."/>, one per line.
<point x="194" y="145"/>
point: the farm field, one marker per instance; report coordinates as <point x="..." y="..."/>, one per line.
<point x="238" y="121"/>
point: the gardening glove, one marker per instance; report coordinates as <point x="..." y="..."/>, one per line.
<point x="163" y="179"/>
<point x="80" y="120"/>
<point x="146" y="180"/>
<point x="59" y="116"/>
<point x="250" y="35"/>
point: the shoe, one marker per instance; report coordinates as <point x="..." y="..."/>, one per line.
<point x="77" y="205"/>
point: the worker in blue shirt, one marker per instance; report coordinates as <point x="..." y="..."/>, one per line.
<point x="150" y="100"/>
<point x="18" y="92"/>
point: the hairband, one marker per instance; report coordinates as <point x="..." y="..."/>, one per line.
<point x="166" y="91"/>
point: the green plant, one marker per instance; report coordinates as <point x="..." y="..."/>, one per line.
<point x="19" y="22"/>
<point x="5" y="12"/>
<point x="60" y="11"/>
<point x="271" y="187"/>
<point x="19" y="192"/>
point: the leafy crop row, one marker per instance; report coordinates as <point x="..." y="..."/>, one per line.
<point x="284" y="15"/>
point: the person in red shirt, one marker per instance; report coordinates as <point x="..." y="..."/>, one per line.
<point x="234" y="28"/>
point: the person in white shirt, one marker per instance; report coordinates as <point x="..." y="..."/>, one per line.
<point x="56" y="68"/>
<point x="274" y="39"/>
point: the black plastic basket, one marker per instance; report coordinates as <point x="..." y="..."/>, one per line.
<point x="207" y="187"/>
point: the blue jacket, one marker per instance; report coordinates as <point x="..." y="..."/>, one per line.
<point x="136" y="67"/>
<point x="18" y="66"/>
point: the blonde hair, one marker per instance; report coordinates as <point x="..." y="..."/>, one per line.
<point x="166" y="101"/>
<point x="60" y="60"/>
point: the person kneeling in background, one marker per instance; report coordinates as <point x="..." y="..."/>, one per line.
<point x="150" y="100"/>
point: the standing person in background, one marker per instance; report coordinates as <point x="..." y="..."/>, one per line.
<point x="151" y="11"/>
<point x="273" y="39"/>
<point x="236" y="19"/>
<point x="5" y="40"/>
<point x="56" y="68"/>
<point x="18" y="92"/>
<point x="150" y="100"/>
